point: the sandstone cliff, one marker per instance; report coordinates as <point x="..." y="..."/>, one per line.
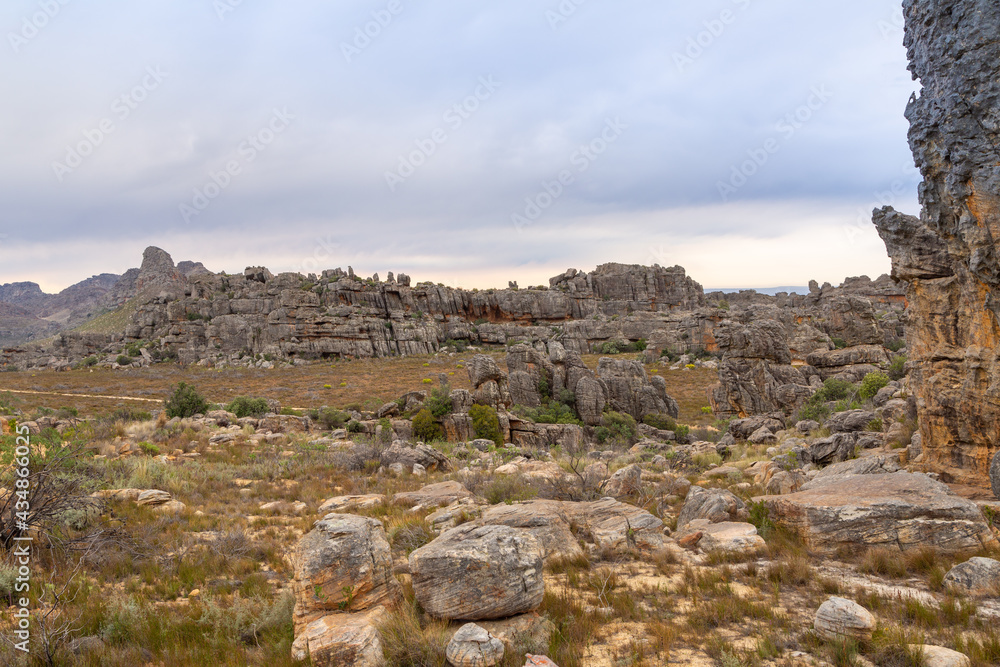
<point x="948" y="256"/>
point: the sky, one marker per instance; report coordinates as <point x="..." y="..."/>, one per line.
<point x="459" y="141"/>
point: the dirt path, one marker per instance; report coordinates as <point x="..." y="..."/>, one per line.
<point x="53" y="393"/>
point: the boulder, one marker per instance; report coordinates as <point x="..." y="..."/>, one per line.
<point x="839" y="618"/>
<point x="938" y="656"/>
<point x="742" y="429"/>
<point x="976" y="576"/>
<point x="834" y="449"/>
<point x="762" y="436"/>
<point x="473" y="646"/>
<point x="153" y="498"/>
<point x="729" y="536"/>
<point x="336" y="640"/>
<point x="625" y="482"/>
<point x="898" y="510"/>
<point x="785" y="481"/>
<point x="342" y="564"/>
<point x="714" y="505"/>
<point x="531" y="632"/>
<point x="408" y="455"/>
<point x="538" y="661"/>
<point x="433" y="495"/>
<point x="478" y="572"/>
<point x="869" y="465"/>
<point x="850" y="421"/>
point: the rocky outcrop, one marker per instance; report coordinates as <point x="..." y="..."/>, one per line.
<point x="899" y="510"/>
<point x="756" y="375"/>
<point x="948" y="256"/>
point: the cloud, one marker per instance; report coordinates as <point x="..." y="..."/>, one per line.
<point x="355" y="118"/>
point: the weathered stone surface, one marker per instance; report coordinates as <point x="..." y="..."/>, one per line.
<point x="631" y="391"/>
<point x="153" y="498"/>
<point x="714" y="505"/>
<point x="834" y="449"/>
<point x="478" y="572"/>
<point x="433" y="495"/>
<point x="409" y="455"/>
<point x="531" y="631"/>
<point x="343" y="562"/>
<point x="995" y="475"/>
<point x="976" y="576"/>
<point x="474" y="646"/>
<point x="840" y="618"/>
<point x="762" y="436"/>
<point x="539" y="661"/>
<point x="336" y="640"/>
<point x="899" y="510"/>
<point x="869" y="465"/>
<point x="349" y="503"/>
<point x="742" y="429"/>
<point x="938" y="656"/>
<point x="948" y="256"/>
<point x="850" y="421"/>
<point x="728" y="536"/>
<point x="607" y="523"/>
<point x="785" y="481"/>
<point x="624" y="482"/>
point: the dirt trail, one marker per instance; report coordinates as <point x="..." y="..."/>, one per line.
<point x="55" y="393"/>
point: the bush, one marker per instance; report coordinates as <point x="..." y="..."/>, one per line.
<point x="129" y="414"/>
<point x="244" y="406"/>
<point x="619" y="347"/>
<point x="839" y="343"/>
<point x="425" y="427"/>
<point x="896" y="345"/>
<point x="617" y="426"/>
<point x="122" y="360"/>
<point x="486" y="423"/>
<point x="439" y="402"/>
<point x="185" y="401"/>
<point x="552" y="412"/>
<point x="329" y="418"/>
<point x="835" y="389"/>
<point x="897" y="369"/>
<point x="354" y="426"/>
<point x="660" y="421"/>
<point x="149" y="449"/>
<point x="871" y="384"/>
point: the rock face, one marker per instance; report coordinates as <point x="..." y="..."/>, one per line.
<point x="995" y="475"/>
<point x="343" y="564"/>
<point x="478" y="572"/>
<point x="342" y="639"/>
<point x="900" y="510"/>
<point x="948" y="256"/>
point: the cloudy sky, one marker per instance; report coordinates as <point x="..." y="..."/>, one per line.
<point x="460" y="141"/>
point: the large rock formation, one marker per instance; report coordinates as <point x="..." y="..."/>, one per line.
<point x="948" y="256"/>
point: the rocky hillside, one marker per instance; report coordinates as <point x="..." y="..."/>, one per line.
<point x="948" y="256"/>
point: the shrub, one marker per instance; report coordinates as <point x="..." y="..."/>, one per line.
<point x="330" y="418"/>
<point x="896" y="345"/>
<point x="486" y="423"/>
<point x="839" y="343"/>
<point x="617" y="426"/>
<point x="660" y="421"/>
<point x="439" y="402"/>
<point x="123" y="360"/>
<point x="89" y="361"/>
<point x="871" y="384"/>
<point x="185" y="401"/>
<point x="835" y="389"/>
<point x="129" y="414"/>
<point x="897" y="369"/>
<point x="425" y="427"/>
<point x="244" y="406"/>
<point x="552" y="412"/>
<point x="149" y="449"/>
<point x="354" y="426"/>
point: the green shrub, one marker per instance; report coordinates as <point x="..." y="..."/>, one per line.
<point x="617" y="426"/>
<point x="354" y="426"/>
<point x="185" y="401"/>
<point x="486" y="423"/>
<point x="329" y="418"/>
<point x="835" y="389"/>
<point x="552" y="412"/>
<point x="439" y="402"/>
<point x="839" y="343"/>
<point x="149" y="449"/>
<point x="660" y="421"/>
<point x="897" y="369"/>
<point x="619" y="347"/>
<point x="122" y="360"/>
<point x="871" y="384"/>
<point x="896" y="345"/>
<point x="425" y="427"/>
<point x="508" y="489"/>
<point x="89" y="361"/>
<point x="244" y="406"/>
<point x="129" y="414"/>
